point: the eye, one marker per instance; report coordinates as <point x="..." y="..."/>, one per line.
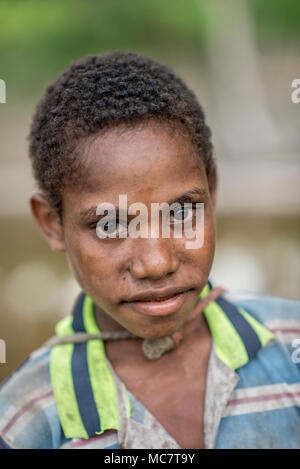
<point x="182" y="214"/>
<point x="110" y="228"/>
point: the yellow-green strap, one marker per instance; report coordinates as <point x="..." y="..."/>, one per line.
<point x="102" y="382"/>
<point x="228" y="344"/>
<point x="62" y="381"/>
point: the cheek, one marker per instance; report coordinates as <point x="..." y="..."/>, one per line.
<point x="209" y="234"/>
<point x="201" y="258"/>
<point x="89" y="262"/>
<point x="208" y="249"/>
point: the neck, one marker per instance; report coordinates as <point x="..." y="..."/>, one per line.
<point x="194" y="332"/>
<point x="128" y="354"/>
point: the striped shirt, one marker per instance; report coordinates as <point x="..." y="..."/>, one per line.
<point x="254" y="406"/>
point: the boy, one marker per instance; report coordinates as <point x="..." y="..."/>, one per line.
<point x="121" y="127"/>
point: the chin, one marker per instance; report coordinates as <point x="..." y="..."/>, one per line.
<point x="157" y="332"/>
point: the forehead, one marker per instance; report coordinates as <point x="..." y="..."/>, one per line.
<point x="149" y="162"/>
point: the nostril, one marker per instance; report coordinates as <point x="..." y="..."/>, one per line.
<point x="155" y="269"/>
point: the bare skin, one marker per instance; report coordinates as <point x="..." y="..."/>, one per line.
<point x="149" y="164"/>
<point x="172" y="388"/>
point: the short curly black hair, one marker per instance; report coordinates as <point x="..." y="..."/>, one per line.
<point x="103" y="91"/>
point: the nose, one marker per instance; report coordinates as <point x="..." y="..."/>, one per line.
<point x="153" y="259"/>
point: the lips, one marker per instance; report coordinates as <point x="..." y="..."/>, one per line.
<point x="157" y="304"/>
<point x="151" y="300"/>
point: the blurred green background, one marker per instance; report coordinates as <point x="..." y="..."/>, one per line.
<point x="240" y="57"/>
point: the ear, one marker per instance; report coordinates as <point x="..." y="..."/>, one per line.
<point x="213" y="184"/>
<point x="48" y="221"/>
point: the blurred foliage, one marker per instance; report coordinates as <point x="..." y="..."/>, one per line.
<point x="277" y="21"/>
<point x="38" y="39"/>
<point x="46" y="36"/>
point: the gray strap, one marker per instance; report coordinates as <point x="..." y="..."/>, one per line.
<point x="80" y="337"/>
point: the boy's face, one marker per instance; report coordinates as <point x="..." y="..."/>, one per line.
<point x="148" y="164"/>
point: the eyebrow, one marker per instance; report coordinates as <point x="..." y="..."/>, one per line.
<point x="189" y="196"/>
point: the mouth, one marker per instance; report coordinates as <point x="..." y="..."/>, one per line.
<point x="158" y="304"/>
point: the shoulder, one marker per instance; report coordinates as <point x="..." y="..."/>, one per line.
<point x="265" y="403"/>
<point x="280" y="315"/>
<point x="28" y="415"/>
<point x="279" y="361"/>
